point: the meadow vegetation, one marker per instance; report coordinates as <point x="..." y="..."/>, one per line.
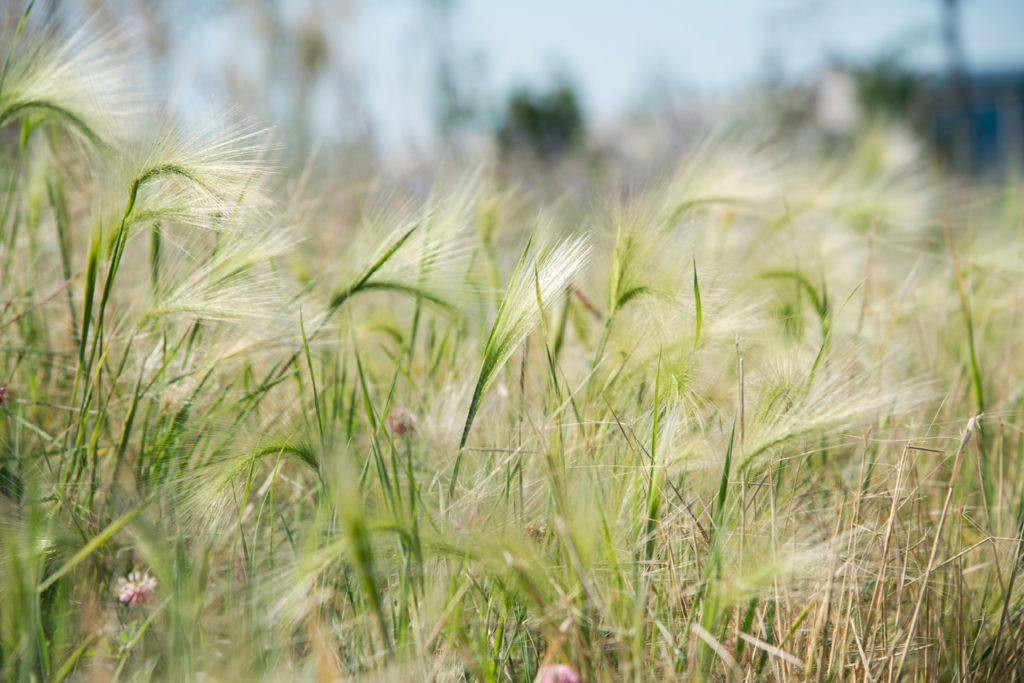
<point x="759" y="419"/>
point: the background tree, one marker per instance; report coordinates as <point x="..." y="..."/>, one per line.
<point x="545" y="123"/>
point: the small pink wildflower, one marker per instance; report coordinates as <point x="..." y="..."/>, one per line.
<point x="558" y="673"/>
<point x="401" y="421"/>
<point x="3" y="392"/>
<point x="136" y="588"/>
<point x="730" y="646"/>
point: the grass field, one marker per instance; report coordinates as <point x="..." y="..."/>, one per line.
<point x="758" y="420"/>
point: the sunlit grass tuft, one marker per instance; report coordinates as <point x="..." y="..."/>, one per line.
<point x="726" y="428"/>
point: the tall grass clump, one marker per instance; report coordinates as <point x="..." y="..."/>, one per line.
<point x="759" y="420"/>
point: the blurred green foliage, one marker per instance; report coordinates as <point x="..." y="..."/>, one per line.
<point x="545" y="123"/>
<point x="886" y="88"/>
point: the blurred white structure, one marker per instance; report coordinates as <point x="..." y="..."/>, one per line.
<point x="836" y="109"/>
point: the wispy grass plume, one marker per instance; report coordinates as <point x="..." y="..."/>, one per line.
<point x="536" y="276"/>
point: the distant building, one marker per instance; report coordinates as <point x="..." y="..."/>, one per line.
<point x="979" y="124"/>
<point x="975" y="122"/>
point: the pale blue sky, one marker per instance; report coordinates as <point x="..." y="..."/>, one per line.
<point x="616" y="51"/>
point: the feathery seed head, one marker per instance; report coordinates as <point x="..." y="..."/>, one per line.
<point x="80" y="82"/>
